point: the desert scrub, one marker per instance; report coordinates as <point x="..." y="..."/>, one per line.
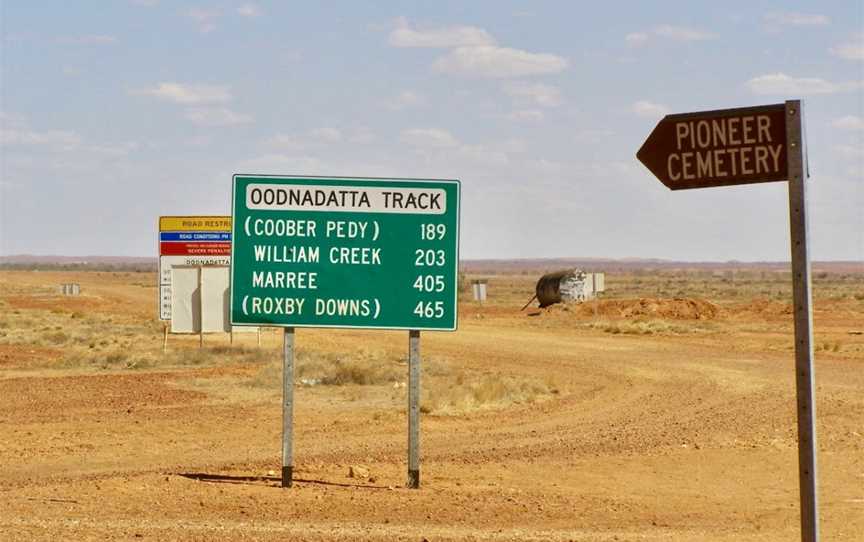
<point x="362" y="367"/>
<point x="217" y="355"/>
<point x="117" y="359"/>
<point x="465" y="393"/>
<point x="828" y="346"/>
<point x="124" y="356"/>
<point x="54" y="338"/>
<point x="649" y="327"/>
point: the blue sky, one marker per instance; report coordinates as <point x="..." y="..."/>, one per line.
<point x="114" y="113"/>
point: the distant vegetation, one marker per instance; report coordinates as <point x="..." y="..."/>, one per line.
<point x="30" y="262"/>
<point x="83" y="266"/>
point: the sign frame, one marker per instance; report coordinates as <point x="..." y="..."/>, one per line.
<point x="656" y="145"/>
<point x="395" y="180"/>
<point x="172" y="223"/>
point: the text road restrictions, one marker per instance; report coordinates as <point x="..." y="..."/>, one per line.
<point x="345" y="252"/>
<point x="190" y="240"/>
<point x="718" y="148"/>
<point x="743" y="146"/>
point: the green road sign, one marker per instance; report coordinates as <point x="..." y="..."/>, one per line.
<point x="344" y="252"/>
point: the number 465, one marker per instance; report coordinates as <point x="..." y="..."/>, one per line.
<point x="429" y="309"/>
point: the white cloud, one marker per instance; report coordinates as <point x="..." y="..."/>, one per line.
<point x="361" y="136"/>
<point x="484" y="155"/>
<point x="527" y="115"/>
<point x="145" y="3"/>
<point x="592" y="136"/>
<point x="121" y="149"/>
<point x="90" y="39"/>
<point x="249" y="10"/>
<point x="283" y="164"/>
<point x="188" y="94"/>
<point x="850" y="151"/>
<point x="16" y="131"/>
<point x="199" y="141"/>
<point x="316" y="138"/>
<point x="216" y="116"/>
<point x="852" y="50"/>
<point x="513" y="145"/>
<point x="782" y="84"/>
<point x="327" y="135"/>
<point x="25" y="136"/>
<point x="683" y="33"/>
<point x="474" y="52"/>
<point x="498" y="62"/>
<point x="677" y="33"/>
<point x="644" y="108"/>
<point x="441" y="144"/>
<point x="451" y="36"/>
<point x="797" y="19"/>
<point x="407" y="99"/>
<point x="284" y="142"/>
<point x="849" y="122"/>
<point x="205" y="18"/>
<point x="535" y="93"/>
<point x="428" y="138"/>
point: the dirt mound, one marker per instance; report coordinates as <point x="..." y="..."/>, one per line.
<point x="676" y="309"/>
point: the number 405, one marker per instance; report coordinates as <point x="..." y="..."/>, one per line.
<point x="429" y="283"/>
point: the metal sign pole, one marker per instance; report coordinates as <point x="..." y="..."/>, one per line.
<point x="288" y="407"/>
<point x="200" y="307"/>
<point x="802" y="298"/>
<point x="414" y="409"/>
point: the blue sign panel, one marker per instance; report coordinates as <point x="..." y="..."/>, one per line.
<point x="200" y="236"/>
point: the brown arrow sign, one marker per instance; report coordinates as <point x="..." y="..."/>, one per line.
<point x="718" y="148"/>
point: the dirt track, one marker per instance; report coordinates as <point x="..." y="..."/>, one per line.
<point x="668" y="436"/>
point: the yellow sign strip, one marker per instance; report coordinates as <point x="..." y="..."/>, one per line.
<point x="194" y="223"/>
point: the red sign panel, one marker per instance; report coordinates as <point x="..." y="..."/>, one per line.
<point x="194" y="249"/>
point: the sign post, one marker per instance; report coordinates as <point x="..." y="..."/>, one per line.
<point x="802" y="299"/>
<point x="744" y="146"/>
<point x="345" y="252"/>
<point x="287" y="406"/>
<point x="414" y="409"/>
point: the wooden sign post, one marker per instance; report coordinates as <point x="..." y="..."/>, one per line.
<point x="744" y="146"/>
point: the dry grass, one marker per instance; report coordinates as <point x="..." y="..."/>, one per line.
<point x="650" y="327"/>
<point x="137" y="359"/>
<point x="463" y="393"/>
<point x="220" y="355"/>
<point x="751" y="303"/>
<point x="362" y="367"/>
<point x="115" y="359"/>
<point x="445" y="391"/>
<point x="828" y="346"/>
